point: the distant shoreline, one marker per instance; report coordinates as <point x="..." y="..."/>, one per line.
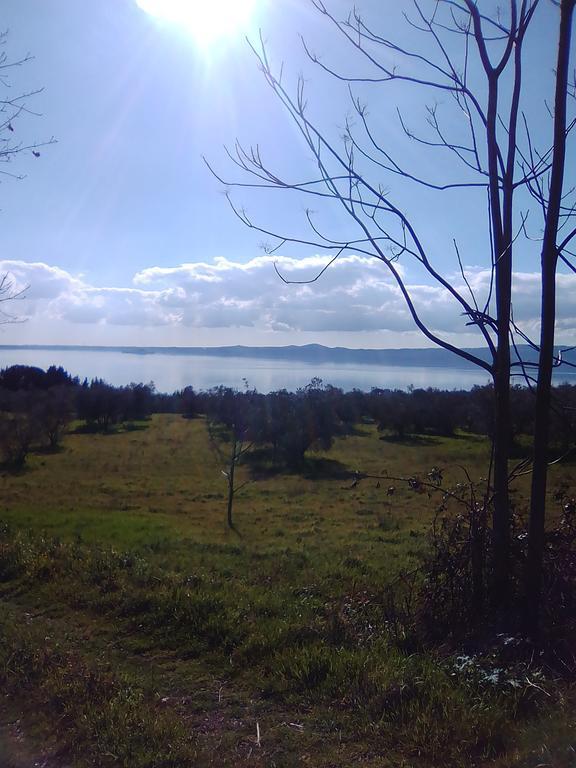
<point x="311" y="353"/>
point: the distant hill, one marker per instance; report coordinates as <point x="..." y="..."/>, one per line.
<point x="309" y="353"/>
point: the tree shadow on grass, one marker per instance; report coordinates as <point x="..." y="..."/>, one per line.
<point x="49" y="450"/>
<point x="135" y="426"/>
<point x="93" y="429"/>
<point x="356" y="430"/>
<point x="413" y="440"/>
<point x="321" y="468"/>
<point x="14" y="470"/>
<point x="264" y="464"/>
<point x="235" y="530"/>
<point x="115" y="429"/>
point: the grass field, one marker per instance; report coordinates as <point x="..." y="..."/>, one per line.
<point x="146" y="633"/>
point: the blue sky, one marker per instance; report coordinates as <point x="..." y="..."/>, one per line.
<point x="124" y="237"/>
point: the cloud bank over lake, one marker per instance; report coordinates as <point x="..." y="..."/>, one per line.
<point x="220" y="298"/>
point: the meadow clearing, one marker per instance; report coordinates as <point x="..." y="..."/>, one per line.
<point x="138" y="630"/>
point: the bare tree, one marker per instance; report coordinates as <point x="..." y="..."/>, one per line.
<point x="476" y="59"/>
<point x="229" y="445"/>
<point x="8" y="293"/>
<point x="13" y="108"/>
<point x="558" y="212"/>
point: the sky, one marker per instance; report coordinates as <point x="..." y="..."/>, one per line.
<point x="121" y="235"/>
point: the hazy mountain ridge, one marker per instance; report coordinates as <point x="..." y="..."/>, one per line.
<point x="311" y="353"/>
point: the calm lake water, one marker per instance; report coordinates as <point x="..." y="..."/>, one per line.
<point x="172" y="372"/>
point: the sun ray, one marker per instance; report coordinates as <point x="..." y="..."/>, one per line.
<point x="207" y="21"/>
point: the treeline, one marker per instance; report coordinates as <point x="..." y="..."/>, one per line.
<point x="294" y="422"/>
<point x="37" y="407"/>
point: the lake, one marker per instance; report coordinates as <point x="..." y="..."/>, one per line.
<point x="172" y="372"/>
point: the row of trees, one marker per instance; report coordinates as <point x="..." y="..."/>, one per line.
<point x="37" y="407"/>
<point x="289" y="422"/>
<point x="397" y="412"/>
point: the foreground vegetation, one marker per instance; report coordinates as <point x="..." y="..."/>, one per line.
<point x="147" y="633"/>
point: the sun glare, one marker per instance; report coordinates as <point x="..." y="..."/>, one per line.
<point x="206" y="20"/>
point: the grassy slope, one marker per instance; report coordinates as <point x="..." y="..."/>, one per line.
<point x="172" y="654"/>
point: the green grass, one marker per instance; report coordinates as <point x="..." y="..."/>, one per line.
<point x="148" y="634"/>
<point x="163" y="486"/>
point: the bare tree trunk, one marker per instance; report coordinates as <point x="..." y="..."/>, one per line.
<point x="231" y="469"/>
<point x="549" y="260"/>
<point x="478" y="560"/>
<point x="501" y="510"/>
<point x="501" y="223"/>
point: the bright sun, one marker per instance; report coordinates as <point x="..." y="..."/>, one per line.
<point x="206" y="20"/>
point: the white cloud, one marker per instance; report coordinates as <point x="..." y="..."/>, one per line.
<point x="40" y="280"/>
<point x="355" y="295"/>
